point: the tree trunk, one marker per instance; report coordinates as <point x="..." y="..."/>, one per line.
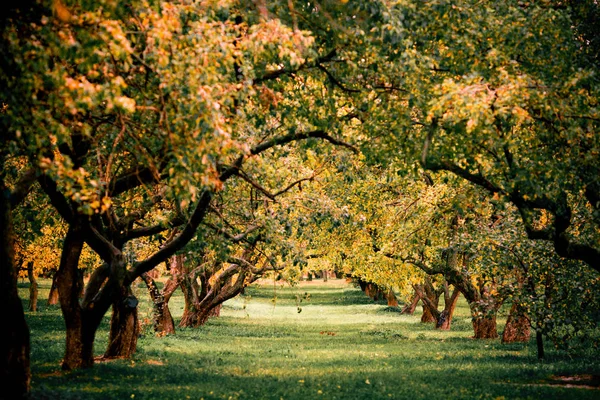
<point x="79" y="349"/>
<point x="216" y="311"/>
<point x="53" y="295"/>
<point x="79" y="352"/>
<point x="124" y="327"/>
<point x="485" y="327"/>
<point x="374" y="291"/>
<point x="412" y="306"/>
<point x="392" y="301"/>
<point x="33" y="287"/>
<point x="80" y="275"/>
<point x="434" y="301"/>
<point x="325" y="275"/>
<point x="517" y="327"/>
<point x="539" y="339"/>
<point x="192" y="292"/>
<point x="444" y="320"/>
<point x="15" y="374"/>
<point x="196" y="314"/>
<point x="163" y="320"/>
<point x="197" y="317"/>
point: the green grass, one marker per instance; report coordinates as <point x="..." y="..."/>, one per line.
<point x="340" y="346"/>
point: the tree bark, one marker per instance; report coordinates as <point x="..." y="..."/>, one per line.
<point x="162" y="318"/>
<point x="53" y="295"/>
<point x="410" y="307"/>
<point x="539" y="339"/>
<point x="14" y="335"/>
<point x="216" y="311"/>
<point x="429" y="307"/>
<point x="444" y="320"/>
<point x="483" y="314"/>
<point x="196" y="317"/>
<point x="517" y="327"/>
<point x="485" y="327"/>
<point x="124" y="326"/>
<point x="33" y="287"/>
<point x="79" y="343"/>
<point x="392" y="301"/>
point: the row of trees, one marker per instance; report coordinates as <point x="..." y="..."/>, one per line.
<point x="191" y="133"/>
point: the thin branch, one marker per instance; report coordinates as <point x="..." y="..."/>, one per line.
<point x="233" y="238"/>
<point x="335" y="81"/>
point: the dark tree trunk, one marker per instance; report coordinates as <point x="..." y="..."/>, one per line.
<point x="15" y="374"/>
<point x="124" y="327"/>
<point x="539" y="339"/>
<point x="517" y="327"/>
<point x="163" y="320"/>
<point x="33" y="287"/>
<point x="374" y="291"/>
<point x="81" y="285"/>
<point x="53" y="295"/>
<point x="412" y="306"/>
<point x="79" y="349"/>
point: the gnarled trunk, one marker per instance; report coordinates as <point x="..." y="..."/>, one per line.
<point x="429" y="307"/>
<point x="33" y="287"/>
<point x="82" y="318"/>
<point x="483" y="314"/>
<point x="517" y="327"/>
<point x="485" y="327"/>
<point x="163" y="320"/>
<point x="444" y="320"/>
<point x="15" y="374"/>
<point x="192" y="293"/>
<point x="196" y="317"/>
<point x="124" y="326"/>
<point x="79" y="349"/>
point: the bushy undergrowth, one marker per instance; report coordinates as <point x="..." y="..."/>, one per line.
<point x="340" y="346"/>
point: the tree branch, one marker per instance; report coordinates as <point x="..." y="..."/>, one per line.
<point x="22" y="188"/>
<point x="233" y="238"/>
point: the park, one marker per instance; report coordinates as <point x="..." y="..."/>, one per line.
<point x="338" y="199"/>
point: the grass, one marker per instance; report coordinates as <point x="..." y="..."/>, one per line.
<point x="340" y="346"/>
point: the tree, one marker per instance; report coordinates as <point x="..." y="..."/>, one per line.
<point x="125" y="109"/>
<point x="14" y="339"/>
<point x="505" y="103"/>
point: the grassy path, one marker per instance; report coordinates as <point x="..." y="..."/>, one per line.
<point x="340" y="346"/>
